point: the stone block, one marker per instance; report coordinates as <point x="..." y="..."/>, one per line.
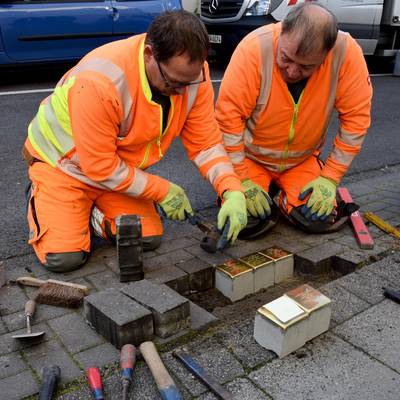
<point x="171" y="258"/>
<point x="234" y="280"/>
<point x="170" y="245"/>
<point x="201" y="274"/>
<point x="98" y="356"/>
<point x="11" y="364"/>
<point x="281" y="326"/>
<point x="263" y="270"/>
<point x="105" y="280"/>
<point x="171" y="311"/>
<point x="200" y="318"/>
<point x="19" y="386"/>
<point x="212" y="259"/>
<point x="118" y="318"/>
<point x="171" y="276"/>
<point x="12" y="299"/>
<point x="387" y="268"/>
<point x="283" y="263"/>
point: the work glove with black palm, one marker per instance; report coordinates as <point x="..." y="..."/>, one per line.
<point x="233" y="210"/>
<point x="322" y="199"/>
<point x="176" y="205"/>
<point x="258" y="202"/>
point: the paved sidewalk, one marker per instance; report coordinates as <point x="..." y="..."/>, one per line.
<point x="356" y="359"/>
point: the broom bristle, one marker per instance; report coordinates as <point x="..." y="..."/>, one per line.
<point x="59" y="295"/>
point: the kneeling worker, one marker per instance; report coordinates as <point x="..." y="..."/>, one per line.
<point x="112" y="116"/>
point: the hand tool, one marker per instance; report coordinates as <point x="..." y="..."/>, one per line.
<point x="166" y="386"/>
<point x="392" y="294"/>
<point x="95" y="383"/>
<point x="361" y="232"/>
<point x="30" y="307"/>
<point x="214" y="239"/>
<point x="56" y="293"/>
<point x="50" y="378"/>
<point x="381" y="224"/>
<point x="199" y="372"/>
<point x="129" y="248"/>
<point x="127" y="361"/>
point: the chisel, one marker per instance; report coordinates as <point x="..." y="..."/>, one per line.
<point x="50" y="378"/>
<point x="95" y="383"/>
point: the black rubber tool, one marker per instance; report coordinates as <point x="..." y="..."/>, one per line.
<point x="50" y="378"/>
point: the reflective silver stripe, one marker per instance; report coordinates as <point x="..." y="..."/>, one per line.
<point x="63" y="138"/>
<point x="352" y="139"/>
<point x="341" y="156"/>
<point x="231" y="139"/>
<point x="117" y="76"/>
<point x="118" y="176"/>
<point x="271" y="166"/>
<point x="44" y="144"/>
<point x="218" y="170"/>
<point x="192" y="94"/>
<point x="139" y="183"/>
<point x="210" y="154"/>
<point x="236" y="157"/>
<point x="263" y="151"/>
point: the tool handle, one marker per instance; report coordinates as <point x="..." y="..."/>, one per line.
<point x="392" y="294"/>
<point x="199" y="372"/>
<point x="166" y="386"/>
<point x="50" y="378"/>
<point x="223" y="239"/>
<point x="30" y="307"/>
<point x="30" y="281"/>
<point x="95" y="383"/>
<point x="127" y="360"/>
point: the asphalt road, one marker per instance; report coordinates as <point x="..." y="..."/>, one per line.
<point x="381" y="148"/>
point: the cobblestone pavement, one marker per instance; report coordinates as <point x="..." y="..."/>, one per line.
<point x="356" y="359"/>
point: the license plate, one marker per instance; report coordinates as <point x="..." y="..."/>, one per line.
<point x="215" y="38"/>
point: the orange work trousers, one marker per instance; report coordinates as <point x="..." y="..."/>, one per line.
<point x="290" y="182"/>
<point x="60" y="206"/>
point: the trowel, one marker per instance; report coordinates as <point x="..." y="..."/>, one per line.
<point x="30" y="307"/>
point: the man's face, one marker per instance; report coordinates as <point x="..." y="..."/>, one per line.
<point x="172" y="76"/>
<point x="295" y="68"/>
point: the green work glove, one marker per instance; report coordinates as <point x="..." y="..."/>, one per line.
<point x="322" y="199"/>
<point x="258" y="201"/>
<point x="234" y="208"/>
<point x="176" y="204"/>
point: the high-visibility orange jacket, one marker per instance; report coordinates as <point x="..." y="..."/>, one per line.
<point x="260" y="120"/>
<point x="101" y="126"/>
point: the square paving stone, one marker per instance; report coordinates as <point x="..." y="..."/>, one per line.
<point x="11" y="364"/>
<point x="12" y="299"/>
<point x="105" y="280"/>
<point x="376" y="331"/>
<point x="201" y="274"/>
<point x="175" y="244"/>
<point x="18" y="386"/>
<point x="327" y="368"/>
<point x="171" y="258"/>
<point x="3" y="328"/>
<point x="98" y="356"/>
<point x="27" y="265"/>
<point x="387" y="268"/>
<point x="212" y="259"/>
<point x="344" y="304"/>
<point x="171" y="276"/>
<point x="52" y="353"/>
<point x="75" y="333"/>
<point x="244" y="248"/>
<point x="200" y="319"/>
<point x="239" y="339"/>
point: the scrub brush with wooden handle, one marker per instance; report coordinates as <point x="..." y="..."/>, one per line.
<point x="56" y="293"/>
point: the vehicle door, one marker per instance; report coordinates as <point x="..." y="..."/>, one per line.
<point x="47" y="30"/>
<point x="132" y="17"/>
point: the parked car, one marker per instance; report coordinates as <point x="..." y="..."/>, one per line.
<point x="38" y="31"/>
<point x="375" y="24"/>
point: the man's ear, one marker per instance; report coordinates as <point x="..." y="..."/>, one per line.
<point x="148" y="53"/>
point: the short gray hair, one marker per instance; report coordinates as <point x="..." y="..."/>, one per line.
<point x="314" y="34"/>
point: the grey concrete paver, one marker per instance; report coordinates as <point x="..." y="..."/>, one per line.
<point x="171" y="276"/>
<point x="212" y="259"/>
<point x="171" y="258"/>
<point x="18" y="386"/>
<point x="200" y="274"/>
<point x="376" y="331"/>
<point x="11" y="364"/>
<point x="388" y="268"/>
<point x="98" y="356"/>
<point x="26" y="265"/>
<point x="328" y="368"/>
<point x="175" y="244"/>
<point x="3" y="328"/>
<point x="105" y="280"/>
<point x="12" y="299"/>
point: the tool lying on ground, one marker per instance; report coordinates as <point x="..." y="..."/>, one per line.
<point x="381" y="224"/>
<point x="392" y="294"/>
<point x="30" y="307"/>
<point x="214" y="239"/>
<point x="56" y="293"/>
<point x="129" y="248"/>
<point x="50" y="378"/>
<point x="361" y="232"/>
<point x="95" y="383"/>
<point x="199" y="372"/>
<point x="166" y="386"/>
<point x="127" y="361"/>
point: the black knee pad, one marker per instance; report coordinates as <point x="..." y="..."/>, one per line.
<point x="64" y="262"/>
<point x="257" y="227"/>
<point x="151" y="242"/>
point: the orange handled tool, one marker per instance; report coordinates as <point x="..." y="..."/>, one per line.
<point x="127" y="361"/>
<point x="95" y="383"/>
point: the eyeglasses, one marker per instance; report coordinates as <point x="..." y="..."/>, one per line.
<point x="180" y="85"/>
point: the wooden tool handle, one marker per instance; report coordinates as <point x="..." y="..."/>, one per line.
<point x="165" y="383"/>
<point x="30" y="281"/>
<point x="30" y="308"/>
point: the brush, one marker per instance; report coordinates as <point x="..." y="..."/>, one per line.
<point x="56" y="293"/>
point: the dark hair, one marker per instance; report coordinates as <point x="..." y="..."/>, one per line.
<point x="315" y="34"/>
<point x="173" y="33"/>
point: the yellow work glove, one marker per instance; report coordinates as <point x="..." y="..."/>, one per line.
<point x="322" y="199"/>
<point x="234" y="208"/>
<point x="258" y="201"/>
<point x="176" y="204"/>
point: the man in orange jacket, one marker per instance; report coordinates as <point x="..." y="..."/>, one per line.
<point x="112" y="116"/>
<point x="274" y="107"/>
